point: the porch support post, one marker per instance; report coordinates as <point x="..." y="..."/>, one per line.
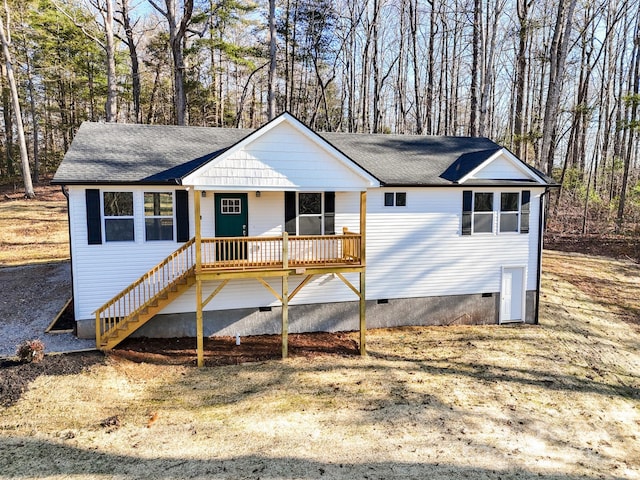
<point x="198" y="223"/>
<point x="363" y="244"/>
<point x="285" y="316"/>
<point x="199" y="326"/>
<point x="285" y="295"/>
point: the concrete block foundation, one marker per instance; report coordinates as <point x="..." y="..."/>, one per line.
<point x="476" y="309"/>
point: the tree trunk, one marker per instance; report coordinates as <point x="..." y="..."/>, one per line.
<point x="24" y="156"/>
<point x="8" y="124"/>
<point x="635" y="98"/>
<point x="475" y="67"/>
<point x="271" y="113"/>
<point x="177" y="32"/>
<point x="111" y="106"/>
<point x="135" y="64"/>
<point x="519" y="139"/>
<point x="559" y="47"/>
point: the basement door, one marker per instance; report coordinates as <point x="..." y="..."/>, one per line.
<point x="231" y="220"/>
<point x="512" y="295"/>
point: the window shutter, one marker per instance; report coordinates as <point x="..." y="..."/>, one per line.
<point x="467" y="201"/>
<point x="524" y="211"/>
<point x="290" y="212"/>
<point x="329" y="213"/>
<point x="94" y="220"/>
<point x="182" y="215"/>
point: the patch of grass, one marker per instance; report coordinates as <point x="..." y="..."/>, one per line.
<point x="34" y="231"/>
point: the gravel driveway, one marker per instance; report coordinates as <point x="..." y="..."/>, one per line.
<point x="30" y="298"/>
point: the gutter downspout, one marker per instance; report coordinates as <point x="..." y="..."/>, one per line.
<point x="65" y="192"/>
<point x="541" y="223"/>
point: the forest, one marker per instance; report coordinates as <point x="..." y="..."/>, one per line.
<point x="556" y="82"/>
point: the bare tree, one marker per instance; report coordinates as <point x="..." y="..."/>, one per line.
<point x="133" y="56"/>
<point x="177" y="32"/>
<point x="558" y="56"/>
<point x="5" y="37"/>
<point x="272" y="60"/>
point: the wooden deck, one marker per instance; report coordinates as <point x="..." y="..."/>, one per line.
<point x="224" y="258"/>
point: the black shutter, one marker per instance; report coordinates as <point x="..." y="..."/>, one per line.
<point x="290" y="212"/>
<point x="329" y="213"/>
<point x="467" y="202"/>
<point x="524" y="211"/>
<point x="94" y="220"/>
<point x="182" y="215"/>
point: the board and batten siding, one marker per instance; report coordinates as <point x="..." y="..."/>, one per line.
<point x="419" y="251"/>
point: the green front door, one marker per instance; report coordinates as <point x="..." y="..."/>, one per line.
<point x="231" y="221"/>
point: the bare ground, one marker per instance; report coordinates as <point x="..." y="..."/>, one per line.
<point x="560" y="400"/>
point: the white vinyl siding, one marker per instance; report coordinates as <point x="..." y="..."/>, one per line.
<point x="101" y="271"/>
<point x="413" y="251"/>
<point x="419" y="251"/>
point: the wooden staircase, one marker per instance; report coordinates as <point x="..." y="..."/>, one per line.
<point x="146" y="297"/>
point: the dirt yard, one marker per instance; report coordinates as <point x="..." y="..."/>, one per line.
<point x="560" y="400"/>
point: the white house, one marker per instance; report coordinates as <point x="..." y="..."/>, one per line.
<point x="192" y="231"/>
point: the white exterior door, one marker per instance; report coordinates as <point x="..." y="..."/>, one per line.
<point x="512" y="295"/>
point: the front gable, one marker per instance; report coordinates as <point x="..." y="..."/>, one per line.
<point x="282" y="155"/>
<point x="502" y="165"/>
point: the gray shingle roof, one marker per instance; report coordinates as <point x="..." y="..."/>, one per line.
<point x="156" y="154"/>
<point x="409" y="159"/>
<point x="129" y="153"/>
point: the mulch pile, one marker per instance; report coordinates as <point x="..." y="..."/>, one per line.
<point x="224" y="351"/>
<point x="15" y="377"/>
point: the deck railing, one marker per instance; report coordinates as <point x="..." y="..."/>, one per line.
<point x="275" y="252"/>
<point x="225" y="253"/>
<point x="141" y="293"/>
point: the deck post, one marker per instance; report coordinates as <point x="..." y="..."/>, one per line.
<point x="199" y="326"/>
<point x="198" y="225"/>
<point x="98" y="332"/>
<point x="285" y="295"/>
<point x="363" y="299"/>
<point x="285" y="316"/>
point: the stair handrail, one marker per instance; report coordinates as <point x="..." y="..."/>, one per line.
<point x="181" y="263"/>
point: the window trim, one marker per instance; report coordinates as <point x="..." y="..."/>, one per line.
<point x="172" y="216"/>
<point x="292" y="212"/>
<point x="394" y="199"/>
<point x="492" y="212"/>
<point x="468" y="212"/>
<point x="310" y="215"/>
<point x="517" y="214"/>
<point x="105" y="218"/>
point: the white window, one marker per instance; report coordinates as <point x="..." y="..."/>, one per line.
<point x="117" y="211"/>
<point x="158" y="215"/>
<point x="310" y="214"/>
<point x="482" y="212"/>
<point x="509" y="211"/>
